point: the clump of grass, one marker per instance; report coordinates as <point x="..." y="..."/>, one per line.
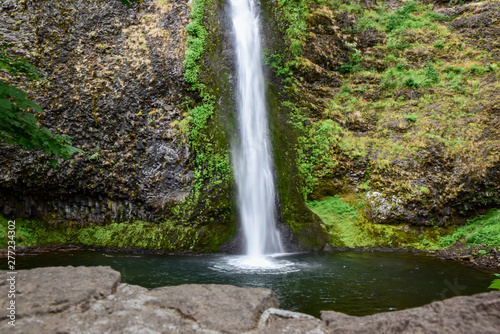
<point x="411" y="118"/>
<point x="483" y="230"/>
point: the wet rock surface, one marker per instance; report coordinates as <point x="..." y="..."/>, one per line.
<point x="92" y="300"/>
<point x="478" y="314"/>
<point x="114" y="83"/>
<point x="392" y="142"/>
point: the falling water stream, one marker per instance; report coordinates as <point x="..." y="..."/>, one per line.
<point x="252" y="155"/>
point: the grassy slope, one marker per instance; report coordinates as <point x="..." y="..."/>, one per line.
<point x="412" y="106"/>
<point x="394" y="95"/>
<point x="483" y="230"/>
<point x="345" y="222"/>
<point x="377" y="84"/>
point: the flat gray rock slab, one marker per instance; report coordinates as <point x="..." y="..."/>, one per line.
<point x="464" y="314"/>
<point x="85" y="300"/>
<point x="92" y="300"/>
<point x="56" y="289"/>
<point x="281" y="321"/>
<point x="126" y="311"/>
<point x="224" y="308"/>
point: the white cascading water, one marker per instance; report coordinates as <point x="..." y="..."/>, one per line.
<point x="252" y="158"/>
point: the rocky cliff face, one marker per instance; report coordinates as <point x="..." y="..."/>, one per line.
<point x="398" y="105"/>
<point x="115" y="84"/>
<point x="395" y="103"/>
<point x="155" y="147"/>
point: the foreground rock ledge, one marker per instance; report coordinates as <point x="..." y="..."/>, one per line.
<point x="92" y="300"/>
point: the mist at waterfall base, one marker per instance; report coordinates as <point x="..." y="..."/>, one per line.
<point x="251" y="153"/>
<point x="356" y="283"/>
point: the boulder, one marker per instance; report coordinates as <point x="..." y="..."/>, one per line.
<point x="56" y="289"/>
<point x="464" y="314"/>
<point x="225" y="308"/>
<point x="92" y="300"/>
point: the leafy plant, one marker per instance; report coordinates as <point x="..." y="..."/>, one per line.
<point x="411" y="118"/>
<point x="411" y="82"/>
<point x="431" y="75"/>
<point x="439" y="44"/>
<point x="128" y="2"/>
<point x="17" y="123"/>
<point x="276" y="62"/>
<point x="354" y="60"/>
<point x="496" y="283"/>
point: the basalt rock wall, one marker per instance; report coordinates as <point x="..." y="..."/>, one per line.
<point x="400" y="106"/>
<point x="114" y="83"/>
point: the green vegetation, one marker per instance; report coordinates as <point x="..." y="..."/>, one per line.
<point x="347" y="227"/>
<point x="404" y="83"/>
<point x="165" y="236"/>
<point x="196" y="44"/>
<point x="276" y="62"/>
<point x="294" y="13"/>
<point x="207" y="208"/>
<point x="354" y="60"/>
<point x="17" y="123"/>
<point x="212" y="162"/>
<point x="128" y="2"/>
<point x="483" y="230"/>
<point x="496" y="283"/>
<point x="313" y="154"/>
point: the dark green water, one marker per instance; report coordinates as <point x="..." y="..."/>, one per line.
<point x="356" y="283"/>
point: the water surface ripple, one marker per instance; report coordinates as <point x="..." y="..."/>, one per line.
<point x="356" y="283"/>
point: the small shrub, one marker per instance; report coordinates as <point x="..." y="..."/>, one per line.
<point x="439" y="44"/>
<point x="411" y="82"/>
<point x="401" y="66"/>
<point x="431" y="74"/>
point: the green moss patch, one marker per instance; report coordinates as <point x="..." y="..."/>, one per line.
<point x="483" y="230"/>
<point x="165" y="236"/>
<point x="347" y="227"/>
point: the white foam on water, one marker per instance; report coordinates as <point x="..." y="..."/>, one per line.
<point x="243" y="264"/>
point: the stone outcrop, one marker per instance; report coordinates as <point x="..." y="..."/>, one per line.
<point x="389" y="135"/>
<point x="92" y="300"/>
<point x="114" y="84"/>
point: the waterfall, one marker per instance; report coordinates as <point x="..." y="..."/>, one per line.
<point x="252" y="155"/>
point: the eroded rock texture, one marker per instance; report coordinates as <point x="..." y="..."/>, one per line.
<point x="400" y="103"/>
<point x="115" y="84"/>
<point x="92" y="300"/>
